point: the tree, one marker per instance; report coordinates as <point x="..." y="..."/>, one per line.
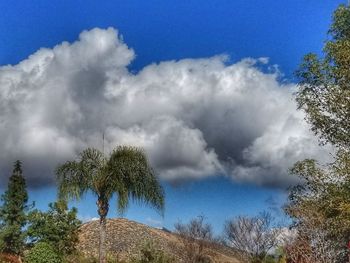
<point x="13" y="213"/>
<point x="251" y="237"/>
<point x="58" y="227"/>
<point x="319" y="206"/>
<point x="126" y="173"/>
<point x="320" y="209"/>
<point x="197" y="236"/>
<point x="324" y="88"/>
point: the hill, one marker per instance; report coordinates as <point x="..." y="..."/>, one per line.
<point x="125" y="239"/>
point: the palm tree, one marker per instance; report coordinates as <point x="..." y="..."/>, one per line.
<point x="125" y="172"/>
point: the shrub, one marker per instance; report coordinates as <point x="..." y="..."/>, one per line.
<point x="42" y="253"/>
<point x="150" y="254"/>
<point x="8" y="258"/>
<point x="79" y="258"/>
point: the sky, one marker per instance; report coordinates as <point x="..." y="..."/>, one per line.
<point x="205" y="87"/>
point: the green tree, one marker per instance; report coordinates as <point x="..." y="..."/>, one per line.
<point x="13" y="213"/>
<point x="125" y="172"/>
<point x="58" y="227"/>
<point x="320" y="207"/>
<point x="324" y="88"/>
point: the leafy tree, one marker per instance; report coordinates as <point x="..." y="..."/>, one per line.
<point x="57" y="227"/>
<point x="13" y="213"/>
<point x="320" y="207"/>
<point x="324" y="88"/>
<point x="126" y="173"/>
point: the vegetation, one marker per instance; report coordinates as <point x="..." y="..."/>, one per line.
<point x="151" y="254"/>
<point x="126" y="172"/>
<point x="320" y="206"/>
<point x="324" y="88"/>
<point x="13" y="213"/>
<point x="197" y="237"/>
<point x="42" y="252"/>
<point x="252" y="237"/>
<point x="57" y="227"/>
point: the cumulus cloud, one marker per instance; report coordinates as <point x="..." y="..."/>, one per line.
<point x="194" y="117"/>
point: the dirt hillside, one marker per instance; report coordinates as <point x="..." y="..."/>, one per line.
<point x="125" y="238"/>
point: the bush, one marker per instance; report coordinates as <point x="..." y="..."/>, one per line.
<point x="150" y="254"/>
<point x="8" y="258"/>
<point x="79" y="258"/>
<point x="42" y="253"/>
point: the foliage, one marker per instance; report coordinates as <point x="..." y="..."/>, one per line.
<point x="42" y="253"/>
<point x="324" y="88"/>
<point x="13" y="213"/>
<point x="196" y="236"/>
<point x="80" y="258"/>
<point x="57" y="227"/>
<point x="126" y="173"/>
<point x="252" y="237"/>
<point x="7" y="258"/>
<point x="151" y="254"/>
<point x="320" y="208"/>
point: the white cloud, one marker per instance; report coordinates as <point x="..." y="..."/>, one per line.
<point x="87" y="218"/>
<point x="154" y="223"/>
<point x="195" y="117"/>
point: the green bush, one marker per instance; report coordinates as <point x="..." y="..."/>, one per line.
<point x="42" y="253"/>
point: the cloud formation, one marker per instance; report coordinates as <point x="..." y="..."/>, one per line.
<point x="195" y="117"/>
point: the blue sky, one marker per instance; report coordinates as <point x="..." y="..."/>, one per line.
<point x="173" y="30"/>
<point x="166" y="30"/>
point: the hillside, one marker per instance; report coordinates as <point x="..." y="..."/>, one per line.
<point x="125" y="238"/>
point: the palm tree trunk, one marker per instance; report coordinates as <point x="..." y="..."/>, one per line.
<point x="103" y="207"/>
<point x="102" y="242"/>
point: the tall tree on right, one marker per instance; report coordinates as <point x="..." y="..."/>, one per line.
<point x="324" y="87"/>
<point x="320" y="207"/>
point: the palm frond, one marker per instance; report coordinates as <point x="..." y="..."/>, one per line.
<point x="74" y="178"/>
<point x="71" y="180"/>
<point x="130" y="171"/>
